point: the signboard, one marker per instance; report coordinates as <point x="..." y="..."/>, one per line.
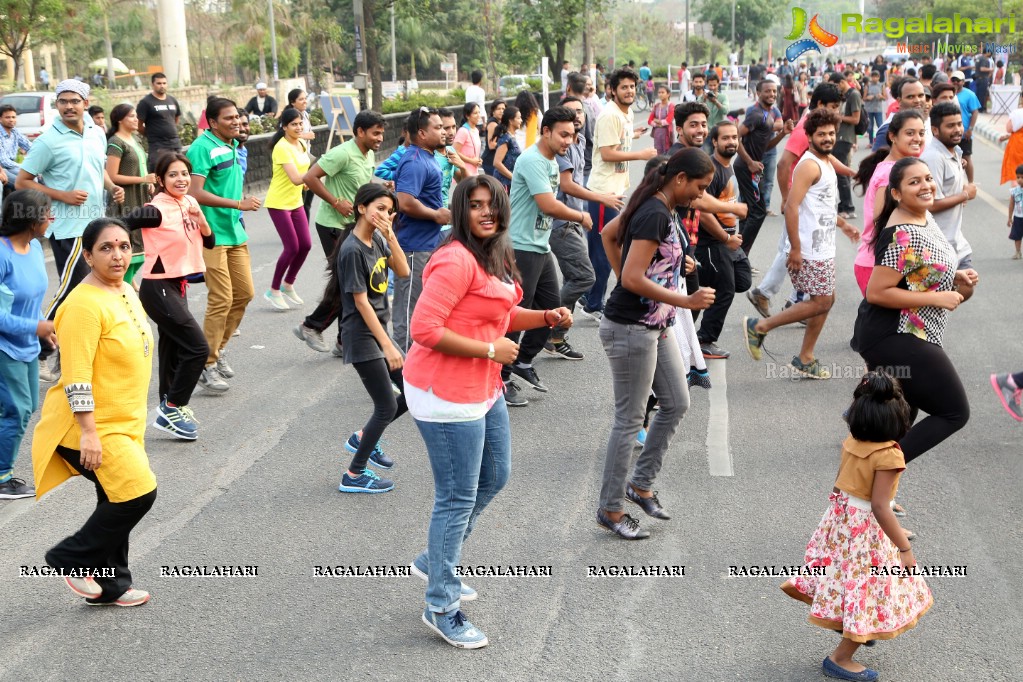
<point x="447" y="67"/>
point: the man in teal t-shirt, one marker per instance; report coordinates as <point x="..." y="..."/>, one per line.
<point x="217" y="186"/>
<point x="534" y="206"/>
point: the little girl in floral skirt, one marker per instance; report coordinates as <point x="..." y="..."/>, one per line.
<point x="867" y="592"/>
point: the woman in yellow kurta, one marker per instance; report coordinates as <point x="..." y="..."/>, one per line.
<point x="94" y="420"/>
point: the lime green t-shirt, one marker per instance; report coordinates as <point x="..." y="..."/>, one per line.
<point x="217" y="161"/>
<point x="347" y="170"/>
<point x="283" y="193"/>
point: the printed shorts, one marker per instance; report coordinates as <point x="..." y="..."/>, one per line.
<point x="815" y="277"/>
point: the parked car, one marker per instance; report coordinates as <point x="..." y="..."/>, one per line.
<point x="36" y="111"/>
<point x="510" y="85"/>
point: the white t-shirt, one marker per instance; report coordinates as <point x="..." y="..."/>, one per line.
<point x="613" y="129"/>
<point x="475" y="93"/>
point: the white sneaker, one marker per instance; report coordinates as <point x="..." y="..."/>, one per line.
<point x="291" y="295"/>
<point x="132" y="597"/>
<point x="222" y="366"/>
<point x="211" y="379"/>
<point x="84" y="587"/>
<point x="276" y="300"/>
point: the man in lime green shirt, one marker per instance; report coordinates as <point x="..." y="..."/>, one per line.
<point x="335" y="178"/>
<point x="217" y="186"/>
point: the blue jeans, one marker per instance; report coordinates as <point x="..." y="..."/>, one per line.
<point x="770" y="162"/>
<point x="471" y="462"/>
<point x="602" y="215"/>
<point x="875" y="120"/>
<point x="19" y="398"/>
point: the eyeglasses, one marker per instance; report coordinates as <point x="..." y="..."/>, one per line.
<point x="69" y="102"/>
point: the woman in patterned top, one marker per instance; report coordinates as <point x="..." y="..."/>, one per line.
<point x="126" y="166"/>
<point x="634" y="333"/>
<point x="912" y="288"/>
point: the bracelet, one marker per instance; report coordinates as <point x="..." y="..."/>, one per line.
<point x="239" y="204"/>
<point x="903" y="551"/>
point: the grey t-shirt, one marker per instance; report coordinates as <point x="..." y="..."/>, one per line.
<point x="947" y="170"/>
<point x="363" y="269"/>
<point x="874" y="106"/>
<point x="853" y="103"/>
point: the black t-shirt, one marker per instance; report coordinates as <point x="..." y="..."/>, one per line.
<point x="652" y="221"/>
<point x="982" y="62"/>
<point x="159" y="116"/>
<point x="725" y="188"/>
<point x="881" y="68"/>
<point x="362" y="269"/>
<point x="760" y="124"/>
<point x="269" y="106"/>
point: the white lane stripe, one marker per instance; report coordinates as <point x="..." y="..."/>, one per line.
<point x="719" y="456"/>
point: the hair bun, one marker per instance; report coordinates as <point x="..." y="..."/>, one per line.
<point x="879" y="385"/>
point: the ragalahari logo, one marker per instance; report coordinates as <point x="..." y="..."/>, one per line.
<point x="818" y="36"/>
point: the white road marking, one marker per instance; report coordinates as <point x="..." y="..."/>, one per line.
<point x="1002" y="206"/>
<point x="719" y="456"/>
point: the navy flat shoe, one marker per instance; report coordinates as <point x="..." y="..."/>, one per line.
<point x="832" y="669"/>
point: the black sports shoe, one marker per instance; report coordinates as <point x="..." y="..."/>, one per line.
<point x="712" y="351"/>
<point x="512" y="396"/>
<point x="562" y="350"/>
<point x="651" y="505"/>
<point x="627" y="528"/>
<point x="531" y="377"/>
<point x="15" y="489"/>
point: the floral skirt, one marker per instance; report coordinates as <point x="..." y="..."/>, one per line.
<point x="848" y="598"/>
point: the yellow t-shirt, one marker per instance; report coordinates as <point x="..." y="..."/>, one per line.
<point x="105" y="343"/>
<point x="861" y="459"/>
<point x="284" y="194"/>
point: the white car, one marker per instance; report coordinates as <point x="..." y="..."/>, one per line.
<point x="36" y="111"/>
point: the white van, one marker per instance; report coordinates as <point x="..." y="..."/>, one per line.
<point x="36" y="111"/>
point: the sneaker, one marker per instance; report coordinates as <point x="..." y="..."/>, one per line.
<point x="641" y="438"/>
<point x="512" y="397"/>
<point x="47" y="375"/>
<point x="222" y="366"/>
<point x="789" y="304"/>
<point x="754" y="339"/>
<point x="699" y="377"/>
<point x="650" y="505"/>
<point x="811" y="370"/>
<point x="1012" y="398"/>
<point x="84" y="587"/>
<point x="595" y="315"/>
<point x="291" y="295"/>
<point x="276" y="300"/>
<point x="760" y="302"/>
<point x="1017" y="256"/>
<point x="177" y="421"/>
<point x="368" y="482"/>
<point x="211" y="379"/>
<point x="531" y="377"/>
<point x="467" y="594"/>
<point x="132" y="597"/>
<point x="562" y="350"/>
<point x="377" y="458"/>
<point x="712" y="351"/>
<point x="15" y="489"/>
<point x="848" y="215"/>
<point x="237" y="332"/>
<point x="312" y="338"/>
<point x="626" y="528"/>
<point x="754" y="271"/>
<point x="455" y="629"/>
<point x="338" y="350"/>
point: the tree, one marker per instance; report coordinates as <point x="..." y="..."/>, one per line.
<point x="550" y="23"/>
<point x="251" y="21"/>
<point x="753" y="18"/>
<point x="417" y="40"/>
<point x="19" y="18"/>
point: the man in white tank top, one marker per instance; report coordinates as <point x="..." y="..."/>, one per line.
<point x="811" y="217"/>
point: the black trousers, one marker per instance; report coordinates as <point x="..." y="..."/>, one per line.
<point x="182" y="346"/>
<point x="756" y="205"/>
<point x="103" y="541"/>
<point x="540" y="291"/>
<point x="843" y="152"/>
<point x="727" y="273"/>
<point x="387" y="407"/>
<point x="930" y="383"/>
<point x="71" y="270"/>
<point x="329" y="308"/>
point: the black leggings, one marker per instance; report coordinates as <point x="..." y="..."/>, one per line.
<point x="103" y="541"/>
<point x="931" y="385"/>
<point x="182" y="346"/>
<point x="387" y="406"/>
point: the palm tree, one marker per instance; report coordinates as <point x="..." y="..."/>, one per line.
<point x="251" y="21"/>
<point x="417" y="40"/>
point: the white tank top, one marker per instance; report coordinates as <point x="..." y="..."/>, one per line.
<point x="818" y="212"/>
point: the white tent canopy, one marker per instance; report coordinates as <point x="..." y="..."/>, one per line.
<point x="119" y="66"/>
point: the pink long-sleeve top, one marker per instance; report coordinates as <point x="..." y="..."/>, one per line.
<point x="459" y="295"/>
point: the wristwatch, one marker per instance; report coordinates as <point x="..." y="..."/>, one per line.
<point x="491" y="352"/>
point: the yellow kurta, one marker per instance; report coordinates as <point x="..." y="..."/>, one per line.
<point x="532" y="130"/>
<point x="105" y="340"/>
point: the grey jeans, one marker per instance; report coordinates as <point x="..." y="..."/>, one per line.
<point x="641" y="359"/>
<point x="406" y="293"/>
<point x="568" y="242"/>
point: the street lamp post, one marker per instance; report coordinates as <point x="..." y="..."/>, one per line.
<point x="733" y="25"/>
<point x="273" y="51"/>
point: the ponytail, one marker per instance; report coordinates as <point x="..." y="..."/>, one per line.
<point x="692" y="163"/>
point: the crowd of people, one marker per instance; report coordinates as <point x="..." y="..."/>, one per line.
<point x="470" y="221"/>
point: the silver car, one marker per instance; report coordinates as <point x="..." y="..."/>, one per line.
<point x="36" y="111"/>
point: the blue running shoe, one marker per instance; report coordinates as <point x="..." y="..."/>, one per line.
<point x="455" y="629"/>
<point x="177" y="421"/>
<point x="468" y="594"/>
<point x="377" y="458"/>
<point x="368" y="482"/>
<point x="641" y="438"/>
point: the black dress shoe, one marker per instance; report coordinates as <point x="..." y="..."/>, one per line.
<point x="651" y="505"/>
<point x="626" y="528"/>
<point x="530" y="376"/>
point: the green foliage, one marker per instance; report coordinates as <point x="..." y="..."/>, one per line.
<point x="422" y="99"/>
<point x="753" y="19"/>
<point x="317" y="118"/>
<point x="22" y="16"/>
<point x="288" y="56"/>
<point x="534" y="84"/>
<point x="187" y="132"/>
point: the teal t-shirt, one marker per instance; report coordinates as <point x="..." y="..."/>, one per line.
<point x="534" y="174"/>
<point x="347" y="169"/>
<point x="217" y="161"/>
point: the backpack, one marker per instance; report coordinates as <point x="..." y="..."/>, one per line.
<point x="864" y="122"/>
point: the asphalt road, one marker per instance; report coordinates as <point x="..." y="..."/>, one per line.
<point x="260" y="488"/>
